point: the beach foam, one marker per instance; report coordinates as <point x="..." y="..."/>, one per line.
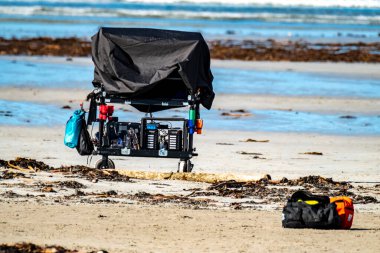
<point x="319" y="3"/>
<point x="239" y="15"/>
<point x="337" y="21"/>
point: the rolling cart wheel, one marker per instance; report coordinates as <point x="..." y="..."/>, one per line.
<point x="181" y="166"/>
<point x="189" y="166"/>
<point x="110" y="164"/>
<point x="185" y="166"/>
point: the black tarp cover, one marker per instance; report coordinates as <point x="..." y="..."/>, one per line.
<point x="137" y="63"/>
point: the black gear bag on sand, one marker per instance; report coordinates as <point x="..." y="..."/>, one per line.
<point x="305" y="210"/>
<point x="85" y="146"/>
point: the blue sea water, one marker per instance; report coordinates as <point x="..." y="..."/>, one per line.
<point x="35" y="114"/>
<point x="292" y="83"/>
<point x="335" y="21"/>
<point x="290" y="121"/>
<point x="16" y="113"/>
<point x="30" y="73"/>
<point x="72" y="74"/>
<point x="55" y="73"/>
<point x="323" y="20"/>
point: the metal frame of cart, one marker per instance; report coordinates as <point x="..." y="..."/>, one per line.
<point x="184" y="155"/>
<point x="152" y="70"/>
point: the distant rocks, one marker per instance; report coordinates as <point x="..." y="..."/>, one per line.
<point x="271" y="50"/>
<point x="312" y="153"/>
<point x="237" y="113"/>
<point x="6" y="114"/>
<point x="45" y="46"/>
<point x="248" y="50"/>
<point x="254" y="140"/>
<point x="348" y="117"/>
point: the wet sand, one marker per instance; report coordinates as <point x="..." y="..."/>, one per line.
<point x="318" y="104"/>
<point x="337" y="68"/>
<point x="73" y="97"/>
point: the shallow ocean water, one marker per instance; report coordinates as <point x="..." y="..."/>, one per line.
<point x="72" y="74"/>
<point x="311" y="20"/>
<point x="35" y="114"/>
<point x="14" y="113"/>
<point x="31" y="73"/>
<point x="292" y="83"/>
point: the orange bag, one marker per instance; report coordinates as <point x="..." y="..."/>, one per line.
<point x="345" y="209"/>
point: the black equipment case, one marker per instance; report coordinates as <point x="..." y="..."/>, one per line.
<point x="151" y="70"/>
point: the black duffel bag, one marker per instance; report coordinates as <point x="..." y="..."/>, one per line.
<point x="305" y="210"/>
<point x="85" y="146"/>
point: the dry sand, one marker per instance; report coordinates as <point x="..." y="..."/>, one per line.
<point x="139" y="228"/>
<point x="170" y="228"/>
<point x="352" y="158"/>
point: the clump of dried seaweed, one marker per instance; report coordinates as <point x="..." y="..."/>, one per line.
<point x="265" y="189"/>
<point x="93" y="174"/>
<point x="25" y="164"/>
<point x="33" y="248"/>
<point x="279" y="191"/>
<point x="28" y="165"/>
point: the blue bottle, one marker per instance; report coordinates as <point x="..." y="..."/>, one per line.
<point x="73" y="128"/>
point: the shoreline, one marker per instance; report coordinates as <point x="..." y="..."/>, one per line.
<point x="296" y="108"/>
<point x="334" y="115"/>
<point x="324" y="105"/>
<point x="335" y="68"/>
<point x="247" y="50"/>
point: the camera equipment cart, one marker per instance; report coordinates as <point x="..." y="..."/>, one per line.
<point x="151" y="70"/>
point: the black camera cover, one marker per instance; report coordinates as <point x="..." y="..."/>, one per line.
<point x="136" y="63"/>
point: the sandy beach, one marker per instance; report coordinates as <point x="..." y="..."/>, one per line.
<point x="297" y="107"/>
<point x="74" y="97"/>
<point x="121" y="223"/>
<point x="344" y="157"/>
<point x="131" y="228"/>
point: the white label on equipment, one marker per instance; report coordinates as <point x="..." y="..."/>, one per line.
<point x="125" y="151"/>
<point x="162" y="152"/>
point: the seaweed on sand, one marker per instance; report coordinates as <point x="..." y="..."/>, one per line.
<point x="26" y="164"/>
<point x="33" y="248"/>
